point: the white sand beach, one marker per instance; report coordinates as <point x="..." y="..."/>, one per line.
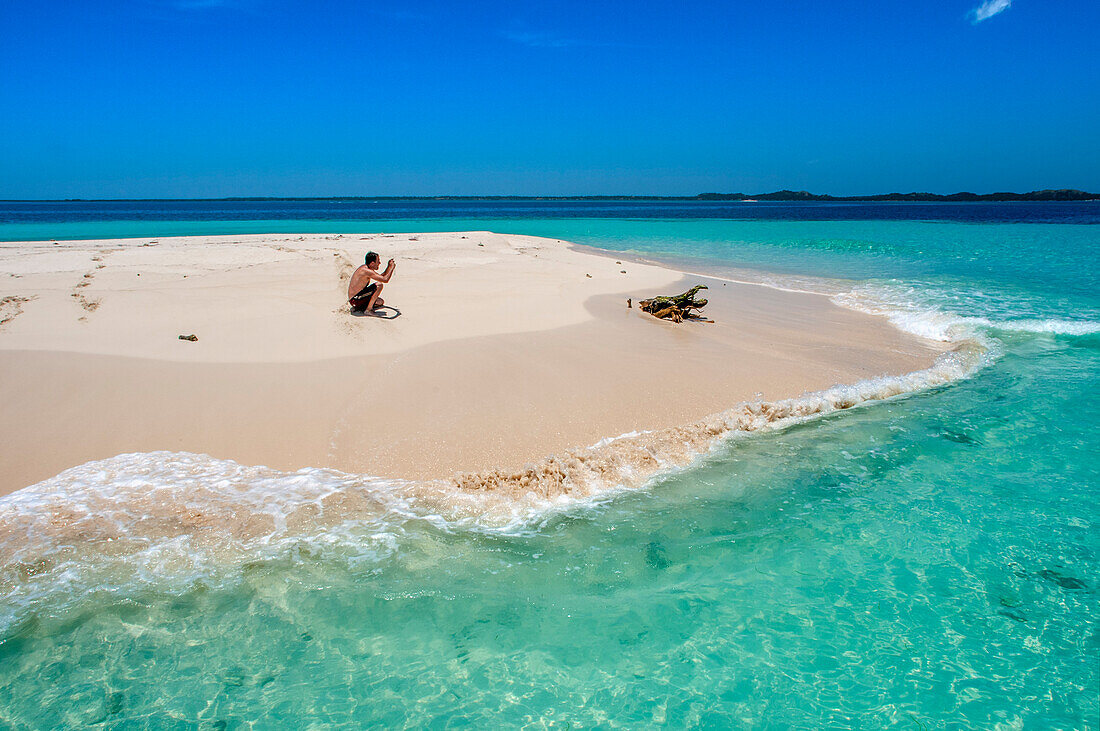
<point x="502" y="350"/>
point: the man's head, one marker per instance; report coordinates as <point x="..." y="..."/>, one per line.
<point x="372" y="260"/>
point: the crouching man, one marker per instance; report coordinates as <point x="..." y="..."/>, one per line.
<point x="365" y="287"/>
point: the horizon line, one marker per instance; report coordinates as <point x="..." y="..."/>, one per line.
<point x="785" y="195"/>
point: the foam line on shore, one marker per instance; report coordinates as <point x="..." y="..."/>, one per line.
<point x="168" y="520"/>
<point x="632" y="460"/>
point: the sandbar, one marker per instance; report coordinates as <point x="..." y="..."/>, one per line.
<point x="502" y="350"/>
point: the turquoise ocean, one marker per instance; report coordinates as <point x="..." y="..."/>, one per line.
<point x="925" y="560"/>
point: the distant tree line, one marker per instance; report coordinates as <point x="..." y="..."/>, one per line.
<point x="1063" y="194"/>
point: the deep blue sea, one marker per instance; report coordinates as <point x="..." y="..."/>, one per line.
<point x="926" y="561"/>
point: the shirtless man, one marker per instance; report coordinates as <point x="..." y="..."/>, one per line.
<point x="366" y="284"/>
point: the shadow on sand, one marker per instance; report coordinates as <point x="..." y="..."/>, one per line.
<point x="385" y="312"/>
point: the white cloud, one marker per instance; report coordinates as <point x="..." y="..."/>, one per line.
<point x="988" y="9"/>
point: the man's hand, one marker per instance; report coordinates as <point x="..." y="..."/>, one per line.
<point x="390" y="265"/>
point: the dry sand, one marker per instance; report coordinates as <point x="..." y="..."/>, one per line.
<point x="506" y="349"/>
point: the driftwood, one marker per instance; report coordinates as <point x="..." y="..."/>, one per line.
<point x="676" y="308"/>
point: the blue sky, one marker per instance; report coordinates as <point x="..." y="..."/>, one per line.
<point x="183" y="98"/>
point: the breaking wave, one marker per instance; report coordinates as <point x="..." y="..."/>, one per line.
<point x="920" y="312"/>
<point x="171" y="520"/>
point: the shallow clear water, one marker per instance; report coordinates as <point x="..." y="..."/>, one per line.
<point x="927" y="561"/>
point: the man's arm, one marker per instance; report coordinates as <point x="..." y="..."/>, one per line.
<point x="384" y="276"/>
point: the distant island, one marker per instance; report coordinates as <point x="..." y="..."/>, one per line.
<point x="1061" y="195"/>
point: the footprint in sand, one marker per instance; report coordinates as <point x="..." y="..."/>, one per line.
<point x="88" y="304"/>
<point x="11" y="307"/>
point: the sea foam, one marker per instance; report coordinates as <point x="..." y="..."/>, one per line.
<point x="168" y="520"/>
<point x="915" y="310"/>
